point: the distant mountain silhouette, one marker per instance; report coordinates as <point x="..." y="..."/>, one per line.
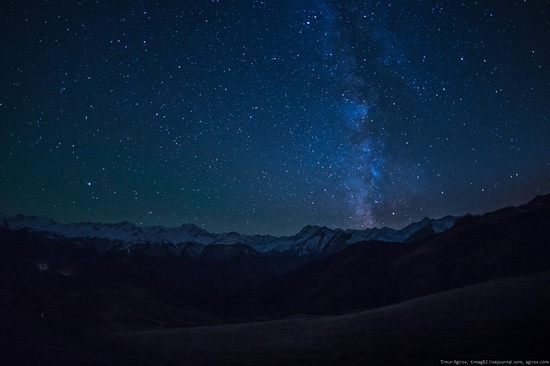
<point x="190" y="241"/>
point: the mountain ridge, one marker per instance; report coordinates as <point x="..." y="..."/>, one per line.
<point x="311" y="240"/>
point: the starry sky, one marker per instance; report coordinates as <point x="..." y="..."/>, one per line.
<point x="264" y="116"/>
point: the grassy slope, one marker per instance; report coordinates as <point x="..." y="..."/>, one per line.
<point x="499" y="319"/>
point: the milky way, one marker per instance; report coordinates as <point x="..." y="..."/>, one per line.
<point x="377" y="183"/>
<point x="265" y="116"/>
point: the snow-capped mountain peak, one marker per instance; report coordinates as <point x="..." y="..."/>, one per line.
<point x="312" y="240"/>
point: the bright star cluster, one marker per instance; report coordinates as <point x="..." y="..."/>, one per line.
<point x="264" y="116"/>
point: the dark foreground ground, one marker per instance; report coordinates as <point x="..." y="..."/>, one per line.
<point x="501" y="319"/>
<point x="504" y="319"/>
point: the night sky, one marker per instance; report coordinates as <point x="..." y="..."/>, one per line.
<point x="265" y="116"/>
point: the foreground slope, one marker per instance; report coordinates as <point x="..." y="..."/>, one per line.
<point x="499" y="319"/>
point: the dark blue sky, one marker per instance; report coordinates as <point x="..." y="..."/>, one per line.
<point x="265" y="116"/>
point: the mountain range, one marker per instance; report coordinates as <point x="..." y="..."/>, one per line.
<point x="310" y="241"/>
<point x="468" y="288"/>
